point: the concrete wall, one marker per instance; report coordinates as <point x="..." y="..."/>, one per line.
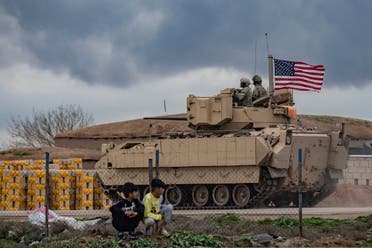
<point x="358" y="171"/>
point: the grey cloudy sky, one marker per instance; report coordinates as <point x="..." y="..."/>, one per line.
<point x="119" y="59"/>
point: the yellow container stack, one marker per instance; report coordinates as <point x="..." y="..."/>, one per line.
<point x="28" y="165"/>
<point x="97" y="195"/>
<point x="78" y="163"/>
<point x="69" y="164"/>
<point x="106" y="202"/>
<point x="72" y="182"/>
<point x="13" y="195"/>
<point x="84" y="189"/>
<point x="60" y="189"/>
<point x="78" y="186"/>
<point x="23" y="186"/>
<point x="100" y="199"/>
<point x="36" y="190"/>
<point x="8" y="165"/>
<point x="20" y="165"/>
<point x="1" y="182"/>
<point x="63" y="164"/>
<point x="39" y="165"/>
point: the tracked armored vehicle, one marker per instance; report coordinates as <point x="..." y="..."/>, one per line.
<point x="236" y="157"/>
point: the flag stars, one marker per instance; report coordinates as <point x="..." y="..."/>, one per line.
<point x="284" y="68"/>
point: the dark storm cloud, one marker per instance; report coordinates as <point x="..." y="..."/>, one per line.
<point x="119" y="42"/>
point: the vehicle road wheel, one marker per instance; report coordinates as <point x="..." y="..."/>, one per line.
<point x="200" y="195"/>
<point x="221" y="195"/>
<point x="173" y="195"/>
<point x="258" y="187"/>
<point x="241" y="195"/>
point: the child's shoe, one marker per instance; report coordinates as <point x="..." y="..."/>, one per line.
<point x="165" y="233"/>
<point x="132" y="235"/>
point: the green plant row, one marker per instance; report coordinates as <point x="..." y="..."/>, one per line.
<point x="224" y="220"/>
<point x="189" y="239"/>
<point x="178" y="239"/>
<point x="287" y="222"/>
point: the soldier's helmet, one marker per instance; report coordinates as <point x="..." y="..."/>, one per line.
<point x="257" y="79"/>
<point x="244" y="82"/>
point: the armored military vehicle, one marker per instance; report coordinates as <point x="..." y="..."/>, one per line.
<point x="237" y="156"/>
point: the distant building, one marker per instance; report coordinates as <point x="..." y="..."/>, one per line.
<point x="360" y="147"/>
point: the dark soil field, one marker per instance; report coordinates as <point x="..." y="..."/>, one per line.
<point x="228" y="230"/>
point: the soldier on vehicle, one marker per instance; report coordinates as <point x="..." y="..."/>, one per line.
<point x="259" y="90"/>
<point x="244" y="95"/>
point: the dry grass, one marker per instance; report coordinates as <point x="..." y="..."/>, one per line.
<point x="55" y="152"/>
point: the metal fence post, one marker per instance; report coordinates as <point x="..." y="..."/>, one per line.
<point x="300" y="190"/>
<point x="157" y="164"/>
<point x="150" y="173"/>
<point x="47" y="193"/>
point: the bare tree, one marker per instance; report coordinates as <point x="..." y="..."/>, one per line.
<point x="42" y="127"/>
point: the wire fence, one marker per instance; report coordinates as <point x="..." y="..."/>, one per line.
<point x="44" y="192"/>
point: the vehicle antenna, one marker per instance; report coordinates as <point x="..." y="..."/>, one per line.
<point x="267" y="43"/>
<point x="165" y="106"/>
<point x="255" y="57"/>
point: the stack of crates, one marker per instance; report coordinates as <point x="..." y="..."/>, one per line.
<point x="60" y="189"/>
<point x="8" y="165"/>
<point x="78" y="174"/>
<point x="106" y="202"/>
<point x="29" y="165"/>
<point x="72" y="182"/>
<point x="87" y="190"/>
<point x="69" y="164"/>
<point x="39" y="165"/>
<point x="20" y="165"/>
<point x="36" y="190"/>
<point x="101" y="200"/>
<point x="64" y="164"/>
<point x="23" y="185"/>
<point x="84" y="189"/>
<point x="97" y="194"/>
<point x="13" y="195"/>
<point x="78" y="163"/>
<point x="1" y="181"/>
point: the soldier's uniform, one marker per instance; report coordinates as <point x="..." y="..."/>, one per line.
<point x="259" y="90"/>
<point x="245" y="94"/>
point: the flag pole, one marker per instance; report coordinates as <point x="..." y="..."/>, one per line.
<point x="270" y="67"/>
<point x="292" y="102"/>
<point x="271" y="76"/>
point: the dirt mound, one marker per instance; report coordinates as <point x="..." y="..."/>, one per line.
<point x="55" y="152"/>
<point x="348" y="196"/>
<point x="160" y="125"/>
<point x="354" y="128"/>
<point x="155" y="126"/>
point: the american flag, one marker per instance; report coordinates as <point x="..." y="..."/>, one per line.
<point x="298" y="75"/>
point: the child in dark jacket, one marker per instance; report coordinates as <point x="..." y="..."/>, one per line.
<point x="127" y="212"/>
